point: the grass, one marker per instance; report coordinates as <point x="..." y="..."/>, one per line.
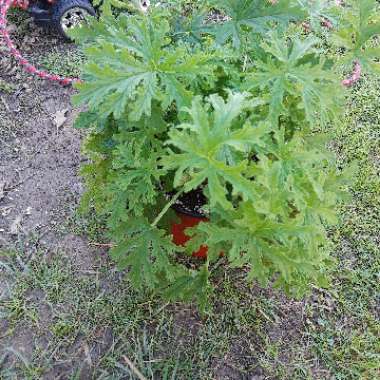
<point x="6" y="87"/>
<point x="80" y="307"/>
<point x="67" y="62"/>
<point x="69" y="317"/>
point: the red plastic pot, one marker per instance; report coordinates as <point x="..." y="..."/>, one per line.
<point x="179" y="236"/>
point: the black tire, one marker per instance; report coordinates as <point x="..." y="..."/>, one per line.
<point x="60" y="9"/>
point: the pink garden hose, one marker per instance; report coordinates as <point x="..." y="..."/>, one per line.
<point x="4" y="7"/>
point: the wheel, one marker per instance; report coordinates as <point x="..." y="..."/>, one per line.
<point x="67" y="14"/>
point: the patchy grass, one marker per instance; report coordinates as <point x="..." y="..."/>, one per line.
<point x="69" y="318"/>
<point x="67" y="62"/>
<point x="6" y="87"/>
<point x="94" y="319"/>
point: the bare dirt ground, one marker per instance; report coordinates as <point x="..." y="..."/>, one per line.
<point x="39" y="161"/>
<point x="39" y="152"/>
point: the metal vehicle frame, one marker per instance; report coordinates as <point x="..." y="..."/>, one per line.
<point x="60" y="14"/>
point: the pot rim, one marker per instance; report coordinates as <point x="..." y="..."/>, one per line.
<point x="177" y="208"/>
<point x="183" y="207"/>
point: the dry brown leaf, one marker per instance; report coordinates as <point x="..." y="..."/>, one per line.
<point x="16" y="226"/>
<point x="60" y="118"/>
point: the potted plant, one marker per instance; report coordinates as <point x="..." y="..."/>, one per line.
<point x="228" y="104"/>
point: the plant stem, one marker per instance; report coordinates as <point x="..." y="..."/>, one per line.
<point x="166" y="208"/>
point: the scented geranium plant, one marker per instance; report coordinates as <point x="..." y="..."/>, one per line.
<point x="229" y="100"/>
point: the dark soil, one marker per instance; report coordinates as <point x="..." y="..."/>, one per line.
<point x="39" y="151"/>
<point x="191" y="203"/>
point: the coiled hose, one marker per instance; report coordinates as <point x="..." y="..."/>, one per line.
<point x="5" y="5"/>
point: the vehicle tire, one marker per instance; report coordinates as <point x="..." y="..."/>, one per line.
<point x="67" y="14"/>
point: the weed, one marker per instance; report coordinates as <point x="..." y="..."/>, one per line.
<point x="67" y="62"/>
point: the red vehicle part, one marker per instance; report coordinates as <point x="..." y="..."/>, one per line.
<point x="179" y="236"/>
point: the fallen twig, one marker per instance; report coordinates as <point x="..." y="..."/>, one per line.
<point x="134" y="369"/>
<point x="107" y="245"/>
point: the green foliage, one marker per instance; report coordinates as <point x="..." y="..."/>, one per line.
<point x="137" y="67"/>
<point x="296" y="72"/>
<point x="360" y="25"/>
<point x="255" y="15"/>
<point x="319" y="11"/>
<point x="227" y="108"/>
<point x="215" y="151"/>
<point x="145" y="250"/>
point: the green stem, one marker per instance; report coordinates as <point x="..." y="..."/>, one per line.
<point x="166" y="208"/>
